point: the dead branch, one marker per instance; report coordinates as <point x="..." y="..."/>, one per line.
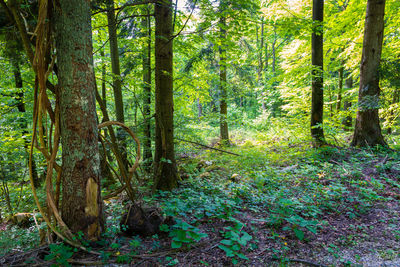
<point x="213" y="148"/>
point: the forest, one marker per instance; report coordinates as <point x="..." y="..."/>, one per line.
<point x="200" y="133"/>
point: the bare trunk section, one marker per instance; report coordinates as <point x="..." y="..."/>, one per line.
<point x="317" y="97"/>
<point x="81" y="200"/>
<point x="223" y="124"/>
<point x="166" y="175"/>
<point x="367" y="130"/>
<point x="146" y="59"/>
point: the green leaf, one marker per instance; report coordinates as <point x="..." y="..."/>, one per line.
<point x="299" y="233"/>
<point x="227" y="242"/>
<point x="176" y="244"/>
<point x="229" y="252"/>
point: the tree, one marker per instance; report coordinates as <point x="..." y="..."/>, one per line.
<point x="116" y="76"/>
<point x="81" y="201"/>
<point x="165" y="171"/>
<point x="317" y="97"/>
<point x="146" y="63"/>
<point x="367" y="130"/>
<point x="224" y="134"/>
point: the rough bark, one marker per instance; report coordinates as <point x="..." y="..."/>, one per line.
<point x="146" y="61"/>
<point x="367" y="130"/>
<point x="81" y="201"/>
<point x="317" y="96"/>
<point x="223" y="125"/>
<point x="166" y="175"/>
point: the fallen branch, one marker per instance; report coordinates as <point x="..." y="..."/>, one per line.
<point x="306" y="262"/>
<point x="199" y="144"/>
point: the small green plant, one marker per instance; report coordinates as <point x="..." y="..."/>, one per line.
<point x="235" y="240"/>
<point x="60" y="253"/>
<point x="298" y="224"/>
<point x="183" y="233"/>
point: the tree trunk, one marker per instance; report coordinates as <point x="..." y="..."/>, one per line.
<point x="224" y="135"/>
<point x="21" y="108"/>
<point x="274" y="52"/>
<point x="348" y="120"/>
<point x="166" y="175"/>
<point x="395" y="100"/>
<point x="317" y="102"/>
<point x="340" y="88"/>
<point x="199" y="109"/>
<point x="116" y="75"/>
<point x="367" y="130"/>
<point x="260" y="56"/>
<point x="81" y="200"/>
<point x="146" y="59"/>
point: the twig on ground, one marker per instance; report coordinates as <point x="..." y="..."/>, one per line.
<point x="213" y="148"/>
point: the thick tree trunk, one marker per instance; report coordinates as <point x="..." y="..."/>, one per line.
<point x="166" y="175"/>
<point x="367" y="130"/>
<point x="348" y="120"/>
<point x="81" y="200"/>
<point x="317" y="102"/>
<point x="146" y="61"/>
<point x="223" y="124"/>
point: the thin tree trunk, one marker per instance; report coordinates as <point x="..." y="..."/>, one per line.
<point x="224" y="134"/>
<point x="116" y="75"/>
<point x="317" y="102"/>
<point x="340" y="88"/>
<point x="166" y="175"/>
<point x="395" y="100"/>
<point x="199" y="109"/>
<point x="274" y="52"/>
<point x="367" y="130"/>
<point x="81" y="200"/>
<point x="24" y="124"/>
<point x="146" y="58"/>
<point x="348" y="120"/>
<point x="260" y="56"/>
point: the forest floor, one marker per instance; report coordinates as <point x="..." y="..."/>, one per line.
<point x="280" y="203"/>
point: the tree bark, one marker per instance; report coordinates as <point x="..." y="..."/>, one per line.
<point x="166" y="175"/>
<point x="224" y="134"/>
<point x="146" y="61"/>
<point x="81" y="200"/>
<point x="367" y="130"/>
<point x="317" y="102"/>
